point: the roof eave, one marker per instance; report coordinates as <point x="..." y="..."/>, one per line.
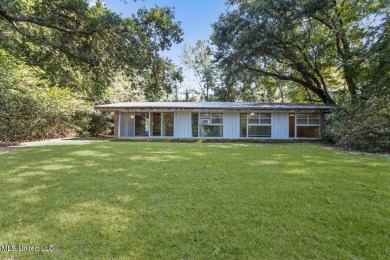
<point x="202" y="109"/>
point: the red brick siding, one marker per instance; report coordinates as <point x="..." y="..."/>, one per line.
<point x="116" y="120"/>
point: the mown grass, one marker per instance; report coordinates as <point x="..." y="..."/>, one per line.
<point x="178" y="200"/>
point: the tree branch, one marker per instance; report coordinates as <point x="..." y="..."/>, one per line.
<point x="312" y="100"/>
<point x="323" y="95"/>
<point x="12" y="18"/>
<point x="317" y="18"/>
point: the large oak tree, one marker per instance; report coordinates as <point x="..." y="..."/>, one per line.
<point x="315" y="44"/>
<point x="83" y="47"/>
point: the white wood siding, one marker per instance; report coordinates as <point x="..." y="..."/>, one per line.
<point x="182" y="125"/>
<point x="126" y="125"/>
<point x="280" y="126"/>
<point x="231" y="125"/>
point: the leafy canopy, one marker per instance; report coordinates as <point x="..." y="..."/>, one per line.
<point x="70" y="40"/>
<point x="318" y="45"/>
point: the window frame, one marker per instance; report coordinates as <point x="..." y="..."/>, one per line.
<point x="211" y="118"/>
<point x="307" y="124"/>
<point x="260" y="123"/>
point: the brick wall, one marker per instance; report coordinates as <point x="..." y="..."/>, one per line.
<point x="116" y="120"/>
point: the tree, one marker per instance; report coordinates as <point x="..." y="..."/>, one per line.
<point x="315" y="44"/>
<point x="365" y="123"/>
<point x="70" y="40"/>
<point x="58" y="58"/>
<point x="199" y="59"/>
<point x="29" y="107"/>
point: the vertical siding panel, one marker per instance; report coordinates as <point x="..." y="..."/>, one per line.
<point x="127" y="125"/>
<point x="176" y="124"/>
<point x="187" y="120"/>
<point x="231" y="125"/>
<point x="124" y="124"/>
<point x="182" y="125"/>
<point x="226" y="124"/>
<point x="279" y="126"/>
<point x="236" y="125"/>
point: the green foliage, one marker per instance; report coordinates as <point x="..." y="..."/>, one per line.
<point x="363" y="127"/>
<point x="84" y="47"/>
<point x="314" y="44"/>
<point x="37" y="114"/>
<point x="60" y="57"/>
<point x="94" y="123"/>
<point x="364" y="124"/>
<point x="199" y="59"/>
<point x="29" y="109"/>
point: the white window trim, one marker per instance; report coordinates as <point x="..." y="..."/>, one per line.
<point x="212" y="124"/>
<point x="259" y="124"/>
<point x="307" y="118"/>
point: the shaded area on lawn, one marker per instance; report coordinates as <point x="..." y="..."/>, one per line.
<point x="178" y="200"/>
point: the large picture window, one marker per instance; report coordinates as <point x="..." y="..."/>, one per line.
<point x="167" y="124"/>
<point x="307" y="125"/>
<point x="255" y="125"/>
<point x="207" y="125"/>
<point x="162" y="124"/>
<point x="142" y="123"/>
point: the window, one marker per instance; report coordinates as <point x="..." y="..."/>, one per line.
<point x="291" y="124"/>
<point x="142" y="124"/>
<point x="308" y="125"/>
<point x="207" y="124"/>
<point x="167" y="124"/>
<point x="156" y="124"/>
<point x="255" y="125"/>
<point x="259" y="125"/>
<point x="162" y="124"/>
<point x="195" y="120"/>
<point x="243" y="125"/>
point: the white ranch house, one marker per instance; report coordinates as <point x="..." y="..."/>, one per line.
<point x="226" y="120"/>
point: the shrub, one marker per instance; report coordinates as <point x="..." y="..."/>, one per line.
<point x="94" y="123"/>
<point x="364" y="126"/>
<point x="29" y="114"/>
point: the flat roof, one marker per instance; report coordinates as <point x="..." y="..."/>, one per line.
<point x="212" y="106"/>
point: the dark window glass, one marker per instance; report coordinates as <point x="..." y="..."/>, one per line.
<point x="259" y="131"/>
<point x="195" y="121"/>
<point x="142" y="124"/>
<point x="156" y="124"/>
<point x="314" y="121"/>
<point x="243" y="125"/>
<point x="168" y="122"/>
<point x="291" y="121"/>
<point x="265" y="121"/>
<point x="253" y="121"/>
<point x="308" y="131"/>
<point x="211" y="131"/>
<point x="302" y="121"/>
<point x="217" y="121"/>
<point x="204" y="115"/>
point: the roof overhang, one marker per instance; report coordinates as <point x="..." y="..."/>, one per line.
<point x="212" y="106"/>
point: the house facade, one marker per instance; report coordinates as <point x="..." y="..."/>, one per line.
<point x="227" y="120"/>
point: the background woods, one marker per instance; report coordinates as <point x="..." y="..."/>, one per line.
<point x="74" y="54"/>
<point x="59" y="58"/>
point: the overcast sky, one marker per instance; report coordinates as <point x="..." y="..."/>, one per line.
<point x="196" y="17"/>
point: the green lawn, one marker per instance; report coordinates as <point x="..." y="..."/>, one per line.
<point x="193" y="200"/>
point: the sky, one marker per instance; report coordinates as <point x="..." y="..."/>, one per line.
<point x="196" y="17"/>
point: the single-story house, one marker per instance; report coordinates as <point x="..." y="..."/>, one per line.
<point x="227" y="120"/>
